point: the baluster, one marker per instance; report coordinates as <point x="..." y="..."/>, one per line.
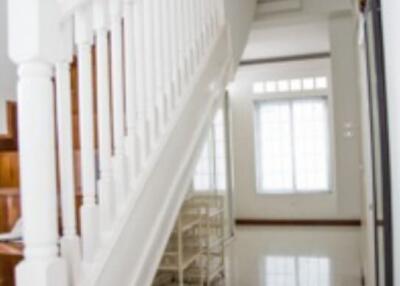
<point x="140" y="83"/>
<point x="194" y="14"/>
<point x="118" y="104"/>
<point x="149" y="74"/>
<point x="159" y="63"/>
<point x="34" y="56"/>
<point x="181" y="46"/>
<point x="208" y="22"/>
<point x="105" y="192"/>
<point x="167" y="54"/>
<point x="214" y="17"/>
<point x="185" y="44"/>
<point x="89" y="210"/>
<point x="130" y="89"/>
<point x="70" y="242"/>
<point x="221" y="13"/>
<point x="203" y="26"/>
<point x="174" y="52"/>
<point x="192" y="35"/>
<point x="192" y="17"/>
<point x="199" y="13"/>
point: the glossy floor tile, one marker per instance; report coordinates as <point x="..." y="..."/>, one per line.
<point x="295" y="256"/>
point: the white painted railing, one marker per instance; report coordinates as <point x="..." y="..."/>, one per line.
<point x="156" y="48"/>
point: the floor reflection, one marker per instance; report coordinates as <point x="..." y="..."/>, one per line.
<point x="295" y="256"/>
<point x="297" y="271"/>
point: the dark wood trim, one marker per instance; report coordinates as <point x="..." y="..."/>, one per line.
<point x="298" y="222"/>
<point x="261" y="61"/>
<point x="9" y="142"/>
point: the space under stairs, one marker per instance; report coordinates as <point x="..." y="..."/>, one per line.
<point x="159" y="69"/>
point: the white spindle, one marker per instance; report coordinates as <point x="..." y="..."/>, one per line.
<point x="197" y="30"/>
<point x="105" y="191"/>
<point x="167" y="69"/>
<point x="192" y="35"/>
<point x="70" y="242"/>
<point x="181" y="46"/>
<point x="89" y="210"/>
<point x="140" y="83"/>
<point x="159" y="62"/>
<point x="174" y="52"/>
<point x="203" y="26"/>
<point x="130" y="89"/>
<point x="118" y="104"/>
<point x="149" y="73"/>
<point x="34" y="56"/>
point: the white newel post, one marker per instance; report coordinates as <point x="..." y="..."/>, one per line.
<point x="130" y="91"/>
<point x="70" y="242"/>
<point x="118" y="104"/>
<point x="104" y="184"/>
<point x="89" y="210"/>
<point x="35" y="56"/>
<point x="140" y="149"/>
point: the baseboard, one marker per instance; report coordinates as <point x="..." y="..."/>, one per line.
<point x="297" y="222"/>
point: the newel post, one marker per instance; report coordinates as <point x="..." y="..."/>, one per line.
<point x="33" y="27"/>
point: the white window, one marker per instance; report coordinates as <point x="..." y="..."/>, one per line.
<point x="293" y="145"/>
<point x="210" y="173"/>
<point x="203" y="174"/>
<point x="297" y="271"/>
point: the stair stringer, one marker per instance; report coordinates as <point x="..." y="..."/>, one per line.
<point x="138" y="242"/>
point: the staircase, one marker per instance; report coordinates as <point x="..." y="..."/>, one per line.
<point x="149" y="75"/>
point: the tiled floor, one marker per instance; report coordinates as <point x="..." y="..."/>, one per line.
<point x="295" y="256"/>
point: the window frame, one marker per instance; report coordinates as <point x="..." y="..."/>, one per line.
<point x="292" y="96"/>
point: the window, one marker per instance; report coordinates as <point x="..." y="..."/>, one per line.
<point x="297" y="271"/>
<point x="293" y="145"/>
<point x="210" y="173"/>
<point x="291" y="85"/>
<point x="203" y="174"/>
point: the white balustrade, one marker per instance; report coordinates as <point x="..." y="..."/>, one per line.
<point x="147" y="55"/>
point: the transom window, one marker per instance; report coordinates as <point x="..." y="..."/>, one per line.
<point x="292" y="138"/>
<point x="291" y="85"/>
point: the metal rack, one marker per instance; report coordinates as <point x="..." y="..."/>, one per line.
<point x="195" y="254"/>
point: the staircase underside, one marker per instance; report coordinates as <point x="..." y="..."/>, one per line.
<point x="135" y="252"/>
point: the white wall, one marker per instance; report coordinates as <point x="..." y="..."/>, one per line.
<point x="8" y="76"/>
<point x="390" y="12"/>
<point x="345" y="201"/>
<point x="311" y="37"/>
